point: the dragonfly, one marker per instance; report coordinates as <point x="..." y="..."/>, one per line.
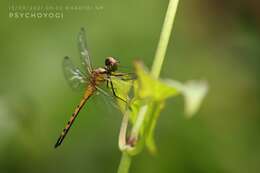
<point x="91" y="78"/>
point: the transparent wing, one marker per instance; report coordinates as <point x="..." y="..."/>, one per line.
<point x="73" y="75"/>
<point x="124" y="76"/>
<point x="122" y="89"/>
<point x="107" y="98"/>
<point x="122" y="85"/>
<point x="84" y="53"/>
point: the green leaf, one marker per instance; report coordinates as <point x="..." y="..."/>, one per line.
<point x="193" y="92"/>
<point x="145" y="107"/>
<point x="149" y="87"/>
<point x="149" y="140"/>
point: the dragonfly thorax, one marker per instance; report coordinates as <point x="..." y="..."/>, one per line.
<point x="100" y="70"/>
<point x="111" y="64"/>
<point x="98" y="76"/>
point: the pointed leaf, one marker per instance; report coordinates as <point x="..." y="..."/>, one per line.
<point x="149" y="87"/>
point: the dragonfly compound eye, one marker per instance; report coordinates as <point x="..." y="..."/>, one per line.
<point x="111" y="63"/>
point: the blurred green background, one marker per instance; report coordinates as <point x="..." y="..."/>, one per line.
<point x="215" y="40"/>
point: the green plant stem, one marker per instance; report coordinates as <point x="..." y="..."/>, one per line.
<point x="139" y="121"/>
<point x="164" y="38"/>
<point x="124" y="163"/>
<point x="156" y="68"/>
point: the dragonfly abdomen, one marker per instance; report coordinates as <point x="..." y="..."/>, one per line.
<point x="88" y="93"/>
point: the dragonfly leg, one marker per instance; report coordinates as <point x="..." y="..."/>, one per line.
<point x="114" y="93"/>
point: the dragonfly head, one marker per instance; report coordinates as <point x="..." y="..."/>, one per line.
<point x="111" y="64"/>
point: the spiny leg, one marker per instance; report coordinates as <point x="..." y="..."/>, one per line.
<point x="113" y="91"/>
<point x="107" y="84"/>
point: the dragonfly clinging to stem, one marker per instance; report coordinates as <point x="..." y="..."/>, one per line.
<point x="92" y="79"/>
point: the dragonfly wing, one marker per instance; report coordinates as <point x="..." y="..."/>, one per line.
<point x="120" y="90"/>
<point x="122" y="85"/>
<point x="73" y="75"/>
<point x="107" y="98"/>
<point x="124" y="76"/>
<point x="84" y="53"/>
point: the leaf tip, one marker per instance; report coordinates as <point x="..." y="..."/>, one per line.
<point x="194" y="92"/>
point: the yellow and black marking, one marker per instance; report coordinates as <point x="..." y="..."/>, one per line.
<point x="89" y="91"/>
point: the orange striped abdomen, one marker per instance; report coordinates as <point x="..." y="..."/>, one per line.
<point x="88" y="93"/>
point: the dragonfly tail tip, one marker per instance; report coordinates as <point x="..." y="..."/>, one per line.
<point x="57" y="143"/>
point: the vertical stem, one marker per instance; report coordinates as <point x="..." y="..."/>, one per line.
<point x="164" y="38"/>
<point x="156" y="68"/>
<point x="139" y="121"/>
<point x="124" y="163"/>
